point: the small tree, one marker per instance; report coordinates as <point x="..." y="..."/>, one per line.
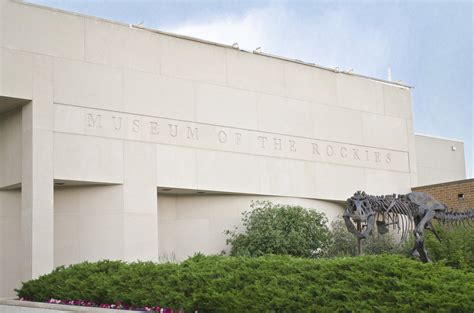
<point x="280" y="229"/>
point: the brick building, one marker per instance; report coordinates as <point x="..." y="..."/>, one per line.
<point x="458" y="195"/>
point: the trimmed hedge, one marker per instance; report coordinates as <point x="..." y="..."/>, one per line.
<point x="383" y="283"/>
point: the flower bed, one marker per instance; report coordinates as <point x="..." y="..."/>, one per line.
<point x="116" y="306"/>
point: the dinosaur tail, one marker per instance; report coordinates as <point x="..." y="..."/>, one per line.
<point x="456" y="217"/>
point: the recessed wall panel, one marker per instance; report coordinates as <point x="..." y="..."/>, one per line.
<point x="10" y="148"/>
<point x="87" y="158"/>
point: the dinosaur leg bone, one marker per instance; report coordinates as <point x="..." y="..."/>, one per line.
<point x="433" y="230"/>
<point x="350" y="226"/>
<point x="419" y="231"/>
<point x="370" y="226"/>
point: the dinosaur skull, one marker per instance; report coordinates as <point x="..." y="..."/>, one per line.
<point x="358" y="207"/>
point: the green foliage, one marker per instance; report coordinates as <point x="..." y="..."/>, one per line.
<point x="343" y="243"/>
<point x="384" y="283"/>
<point x="383" y="244"/>
<point x="280" y="229"/>
<point x="456" y="247"/>
<point x="104" y="282"/>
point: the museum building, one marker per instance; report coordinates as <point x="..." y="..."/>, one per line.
<point x="120" y="142"/>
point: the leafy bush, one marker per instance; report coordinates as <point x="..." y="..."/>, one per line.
<point x="280" y="229"/>
<point x="383" y="244"/>
<point x="385" y="283"/>
<point x="456" y="247"/>
<point x="343" y="243"/>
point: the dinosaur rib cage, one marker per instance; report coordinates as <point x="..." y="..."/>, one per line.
<point x="391" y="210"/>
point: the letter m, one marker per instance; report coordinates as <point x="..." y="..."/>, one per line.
<point x="93" y="120"/>
<point x="193" y="134"/>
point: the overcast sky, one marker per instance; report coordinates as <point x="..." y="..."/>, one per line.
<point x="428" y="44"/>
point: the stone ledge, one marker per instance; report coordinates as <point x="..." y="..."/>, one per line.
<point x="6" y="306"/>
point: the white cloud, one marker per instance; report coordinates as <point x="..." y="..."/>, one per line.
<point x="333" y="37"/>
<point x="249" y="31"/>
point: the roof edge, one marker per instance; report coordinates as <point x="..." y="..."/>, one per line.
<point x="439" y="137"/>
<point x="334" y="70"/>
<point x="466" y="180"/>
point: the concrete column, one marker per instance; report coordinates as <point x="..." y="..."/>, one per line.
<point x="37" y="208"/>
<point x="2" y="5"/>
<point x="140" y="202"/>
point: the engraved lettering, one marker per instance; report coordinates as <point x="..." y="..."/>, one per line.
<point x="329" y="150"/>
<point x="292" y="145"/>
<point x="277" y="143"/>
<point x="315" y="148"/>
<point x="222" y="136"/>
<point x="110" y="124"/>
<point x="117" y="122"/>
<point x="136" y="125"/>
<point x="262" y="140"/>
<point x="193" y="134"/>
<point x="343" y="152"/>
<point x="173" y="130"/>
<point x="154" y="128"/>
<point x="355" y="154"/>
<point x="94" y="121"/>
<point x="377" y="157"/>
<point x="238" y="138"/>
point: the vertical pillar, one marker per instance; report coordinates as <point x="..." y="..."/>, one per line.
<point x="412" y="153"/>
<point x="140" y="202"/>
<point x="2" y="4"/>
<point x="37" y="194"/>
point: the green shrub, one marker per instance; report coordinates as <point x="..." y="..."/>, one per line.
<point x="383" y="244"/>
<point x="343" y="243"/>
<point x="384" y="283"/>
<point x="280" y="229"/>
<point x="456" y="247"/>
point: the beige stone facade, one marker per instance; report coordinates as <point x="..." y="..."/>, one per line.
<point x="439" y="160"/>
<point x="125" y="143"/>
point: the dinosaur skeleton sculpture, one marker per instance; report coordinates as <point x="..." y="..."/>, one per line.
<point x="411" y="212"/>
